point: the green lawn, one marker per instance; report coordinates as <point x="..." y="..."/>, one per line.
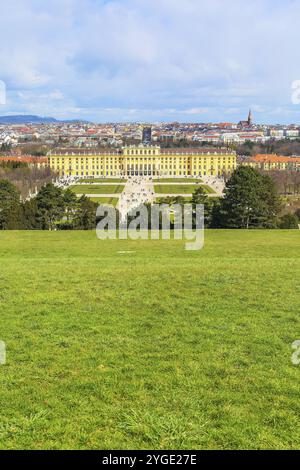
<point x="105" y="200"/>
<point x="161" y="200"/>
<point x="102" y="180"/>
<point x="179" y="188"/>
<point x="101" y="189"/>
<point x="177" y="180"/>
<point x="129" y="344"/>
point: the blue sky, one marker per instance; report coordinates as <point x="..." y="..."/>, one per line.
<point x="151" y="60"/>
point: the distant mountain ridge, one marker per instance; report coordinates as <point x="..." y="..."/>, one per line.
<point x="32" y="119"/>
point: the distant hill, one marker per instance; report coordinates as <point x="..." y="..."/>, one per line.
<point x="27" y="119"/>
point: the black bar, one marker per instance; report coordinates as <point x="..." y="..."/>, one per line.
<point x="138" y="459"/>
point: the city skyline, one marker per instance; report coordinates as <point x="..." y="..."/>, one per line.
<point x="142" y="61"/>
<point x="25" y="119"/>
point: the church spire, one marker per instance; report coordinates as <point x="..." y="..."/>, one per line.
<point x="250" y="118"/>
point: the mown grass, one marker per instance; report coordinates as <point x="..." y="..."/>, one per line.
<point x="103" y="180"/>
<point x="141" y="344"/>
<point x="180" y="188"/>
<point x="101" y="189"/>
<point x="177" y="180"/>
<point x="162" y="200"/>
<point x="105" y="200"/>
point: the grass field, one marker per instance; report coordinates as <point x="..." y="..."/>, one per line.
<point x="161" y="200"/>
<point x="179" y="188"/>
<point x="177" y="180"/>
<point x="101" y="189"/>
<point x="141" y="344"/>
<point x="105" y="200"/>
<point x="102" y="180"/>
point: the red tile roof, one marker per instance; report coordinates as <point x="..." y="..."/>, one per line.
<point x="24" y="159"/>
<point x="267" y="158"/>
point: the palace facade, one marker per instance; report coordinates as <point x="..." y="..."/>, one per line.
<point x="146" y="160"/>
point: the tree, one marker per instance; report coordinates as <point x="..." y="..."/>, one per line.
<point x="10" y="206"/>
<point x="170" y="200"/>
<point x="51" y="206"/>
<point x="216" y="220"/>
<point x="179" y="200"/>
<point x="297" y="214"/>
<point x="271" y="203"/>
<point x="289" y="221"/>
<point x="30" y="219"/>
<point x="85" y="218"/>
<point x="5" y="147"/>
<point x="200" y="197"/>
<point x="71" y="203"/>
<point x="250" y="200"/>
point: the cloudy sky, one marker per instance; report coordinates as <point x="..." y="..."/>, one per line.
<point x="151" y="60"/>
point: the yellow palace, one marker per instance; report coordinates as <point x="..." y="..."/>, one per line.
<point x="143" y="160"/>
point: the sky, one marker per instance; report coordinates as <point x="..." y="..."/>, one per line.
<point x="151" y="60"/>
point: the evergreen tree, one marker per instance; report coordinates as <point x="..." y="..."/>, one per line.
<point x="30" y="217"/>
<point x="200" y="197"/>
<point x="71" y="204"/>
<point x="250" y="201"/>
<point x="289" y="221"/>
<point x="85" y="218"/>
<point x="51" y="206"/>
<point x="10" y="206"/>
<point x="216" y="215"/>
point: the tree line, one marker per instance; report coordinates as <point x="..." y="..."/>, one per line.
<point x="285" y="147"/>
<point x="287" y="182"/>
<point x="250" y="201"/>
<point x="51" y="209"/>
<point x="26" y="179"/>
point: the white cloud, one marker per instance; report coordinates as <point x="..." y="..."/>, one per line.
<point x="161" y="57"/>
<point x="195" y="111"/>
